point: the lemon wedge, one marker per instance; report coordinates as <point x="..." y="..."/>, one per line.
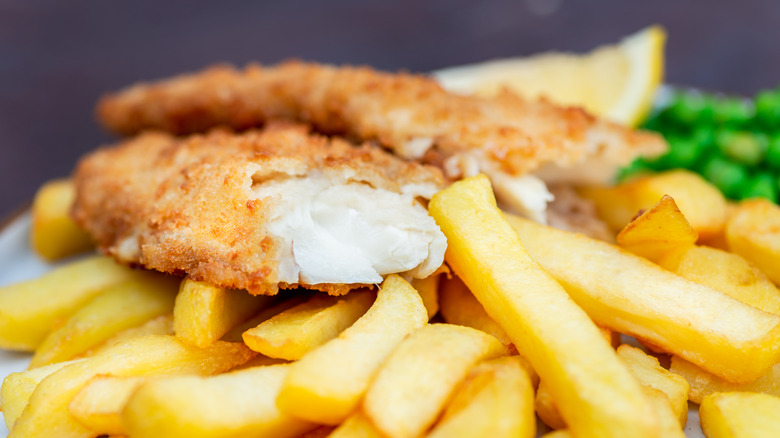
<point x="616" y="81"/>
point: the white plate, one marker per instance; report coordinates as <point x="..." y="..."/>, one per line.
<point x="18" y="263"/>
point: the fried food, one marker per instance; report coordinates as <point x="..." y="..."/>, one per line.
<point x="261" y="210"/>
<point x="505" y="137"/>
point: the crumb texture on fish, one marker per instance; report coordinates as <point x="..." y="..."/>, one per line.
<point x="410" y="114"/>
<point x="255" y="210"/>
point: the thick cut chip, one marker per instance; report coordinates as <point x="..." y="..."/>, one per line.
<point x="236" y="333"/>
<point x="18" y="388"/>
<point x="544" y="404"/>
<point x="702" y="203"/>
<point x="418" y="377"/>
<point x="327" y="384"/>
<point x="30" y="310"/>
<point x="740" y="415"/>
<point x="651" y="374"/>
<point x="261" y="210"/>
<point x="753" y="231"/>
<point x="47" y="413"/>
<point x="292" y="333"/>
<point x="658" y="231"/>
<point x="595" y="393"/>
<point x="204" y="313"/>
<point x="162" y="325"/>
<point x="318" y="432"/>
<point x="633" y="296"/>
<point x="459" y="306"/>
<point x="666" y="392"/>
<point x="726" y="272"/>
<point x="126" y="305"/>
<point x="53" y="234"/>
<point x="428" y="288"/>
<point x="99" y="404"/>
<point x="356" y="426"/>
<point x="703" y="383"/>
<point x="496" y="400"/>
<point x="668" y="420"/>
<point x="234" y="405"/>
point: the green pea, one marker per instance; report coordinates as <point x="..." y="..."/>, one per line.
<point x="686" y="108"/>
<point x="682" y="153"/>
<point x="762" y="185"/>
<point x="726" y="175"/>
<point x="733" y="111"/>
<point x="704" y="136"/>
<point x="744" y="147"/>
<point x="768" y="109"/>
<point x="773" y="152"/>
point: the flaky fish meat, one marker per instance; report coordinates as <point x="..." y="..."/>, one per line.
<point x="518" y="143"/>
<point x="261" y="210"/>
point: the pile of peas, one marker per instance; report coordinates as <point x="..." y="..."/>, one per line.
<point x="733" y="142"/>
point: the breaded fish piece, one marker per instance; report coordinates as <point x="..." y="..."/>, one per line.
<point x="261" y="210"/>
<point x="505" y="137"/>
<point x="410" y="114"/>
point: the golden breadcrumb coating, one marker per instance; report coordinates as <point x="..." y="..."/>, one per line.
<point x="188" y="205"/>
<point x="409" y="114"/>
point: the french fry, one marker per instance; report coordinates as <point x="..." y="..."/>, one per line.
<point x="740" y="414"/>
<point x="356" y="426"/>
<point x="496" y="400"/>
<point x="562" y="433"/>
<point x="703" y="383"/>
<point x="47" y="413"/>
<point x="120" y="307"/>
<point x="292" y="333"/>
<point x="31" y="309"/>
<point x="259" y="361"/>
<point x="652" y="375"/>
<point x="658" y="231"/>
<point x="415" y="381"/>
<point x="667" y="393"/>
<point x="18" y="388"/>
<point x="236" y="333"/>
<point x="428" y="288"/>
<point x="326" y="385"/>
<point x="753" y="231"/>
<point x="459" y="306"/>
<point x="702" y="203"/>
<point x="162" y="325"/>
<point x="319" y="432"/>
<point x="204" y="313"/>
<point x="53" y="234"/>
<point x="633" y="296"/>
<point x="663" y="235"/>
<point x="237" y="404"/>
<point x="544" y="404"/>
<point x="719" y="240"/>
<point x="595" y="393"/>
<point x="725" y="272"/>
<point x="99" y="404"/>
<point x="669" y="423"/>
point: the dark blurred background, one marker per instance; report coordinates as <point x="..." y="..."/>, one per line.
<point x="57" y="57"/>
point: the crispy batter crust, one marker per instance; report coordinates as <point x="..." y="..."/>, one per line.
<point x="514" y="134"/>
<point x="187" y="205"/>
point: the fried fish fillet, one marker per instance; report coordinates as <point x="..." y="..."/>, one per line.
<point x="261" y="210"/>
<point x="506" y="136"/>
